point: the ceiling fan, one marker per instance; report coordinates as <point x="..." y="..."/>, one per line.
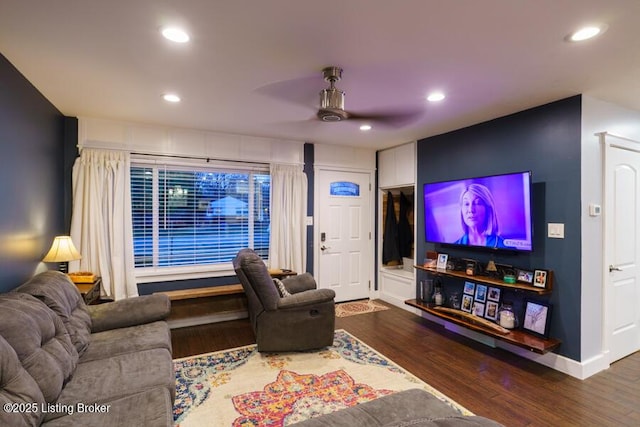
<point x="332" y="98"/>
<point x="332" y="104"/>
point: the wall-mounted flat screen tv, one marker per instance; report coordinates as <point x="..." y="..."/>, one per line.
<point x="489" y="212"/>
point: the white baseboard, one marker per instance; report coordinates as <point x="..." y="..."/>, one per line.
<point x="398" y="302"/>
<point x="580" y="370"/>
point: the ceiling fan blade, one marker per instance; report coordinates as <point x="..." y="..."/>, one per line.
<point x="301" y="91"/>
<point x="393" y="119"/>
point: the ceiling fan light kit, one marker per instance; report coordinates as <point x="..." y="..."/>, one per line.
<point x="332" y="98"/>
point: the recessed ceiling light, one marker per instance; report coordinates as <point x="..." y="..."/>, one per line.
<point x="586" y="33"/>
<point x="365" y="127"/>
<point x="171" y="97"/>
<point x="435" y="97"/>
<point x="175" y="34"/>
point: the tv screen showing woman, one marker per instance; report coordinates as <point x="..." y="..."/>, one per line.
<point x="492" y="212"/>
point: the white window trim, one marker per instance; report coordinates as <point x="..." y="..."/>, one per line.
<point x="167" y="274"/>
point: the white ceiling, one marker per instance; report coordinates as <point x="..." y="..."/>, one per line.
<point x="254" y="67"/>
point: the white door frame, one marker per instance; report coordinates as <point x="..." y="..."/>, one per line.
<point x="316" y="215"/>
<point x="609" y="141"/>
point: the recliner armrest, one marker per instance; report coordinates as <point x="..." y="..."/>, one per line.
<point x="299" y="283"/>
<point x="129" y="312"/>
<point x="315" y="296"/>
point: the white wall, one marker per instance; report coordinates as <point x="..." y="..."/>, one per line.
<point x="597" y="116"/>
<point x="161" y="140"/>
<point x="343" y="157"/>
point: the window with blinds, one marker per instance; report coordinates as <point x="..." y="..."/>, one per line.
<point x="186" y="217"/>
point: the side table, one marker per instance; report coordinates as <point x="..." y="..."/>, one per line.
<point x="90" y="291"/>
<point x="281" y="273"/>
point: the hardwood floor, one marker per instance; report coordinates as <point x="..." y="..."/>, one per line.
<point x="487" y="381"/>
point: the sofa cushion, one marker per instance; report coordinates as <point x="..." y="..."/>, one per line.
<point x="105" y="380"/>
<point x="59" y="293"/>
<point x="40" y="340"/>
<point x="17" y="387"/>
<point x="457" y="421"/>
<point x="148" y="408"/>
<point x="414" y="407"/>
<point x="128" y="340"/>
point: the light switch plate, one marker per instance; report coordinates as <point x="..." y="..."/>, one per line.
<point x="555" y="230"/>
<point x="309" y="220"/>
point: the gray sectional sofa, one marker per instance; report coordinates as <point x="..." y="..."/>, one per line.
<point x="408" y="408"/>
<point x="63" y="363"/>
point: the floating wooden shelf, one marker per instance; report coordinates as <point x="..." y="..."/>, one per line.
<point x="514" y="337"/>
<point x="487" y="280"/>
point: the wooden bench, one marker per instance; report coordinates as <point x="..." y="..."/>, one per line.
<point x="212" y="291"/>
<point x="199" y="306"/>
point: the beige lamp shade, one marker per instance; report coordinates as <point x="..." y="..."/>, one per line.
<point x="62" y="250"/>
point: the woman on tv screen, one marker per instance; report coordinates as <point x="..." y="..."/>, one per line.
<point x="492" y="212"/>
<point x="479" y="218"/>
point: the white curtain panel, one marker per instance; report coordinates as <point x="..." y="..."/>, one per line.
<point x="288" y="242"/>
<point x="101" y="220"/>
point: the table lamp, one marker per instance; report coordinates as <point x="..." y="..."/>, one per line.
<point x="62" y="251"/>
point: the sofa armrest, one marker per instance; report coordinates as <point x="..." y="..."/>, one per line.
<point x="315" y="296"/>
<point x="299" y="283"/>
<point x="129" y="312"/>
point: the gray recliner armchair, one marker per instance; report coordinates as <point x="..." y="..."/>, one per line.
<point x="304" y="320"/>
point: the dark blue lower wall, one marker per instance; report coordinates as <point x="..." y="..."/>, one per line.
<point x="545" y="140"/>
<point x="31" y="171"/>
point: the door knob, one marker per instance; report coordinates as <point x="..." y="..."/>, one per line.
<point x="614" y="268"/>
<point x="324" y="248"/>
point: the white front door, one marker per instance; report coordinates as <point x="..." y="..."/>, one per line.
<point x="344" y="245"/>
<point x="622" y="246"/>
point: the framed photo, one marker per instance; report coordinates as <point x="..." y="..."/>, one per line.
<point x="442" y="261"/>
<point x="491" y="311"/>
<point x="469" y="288"/>
<point x="478" y="309"/>
<point x="467" y="303"/>
<point x="524" y="276"/>
<point x="493" y="294"/>
<point x="481" y="293"/>
<point x="536" y="318"/>
<point x="540" y="278"/>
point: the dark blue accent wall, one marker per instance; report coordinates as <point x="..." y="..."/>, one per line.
<point x="309" y="159"/>
<point x="31" y="171"/>
<point x="547" y="141"/>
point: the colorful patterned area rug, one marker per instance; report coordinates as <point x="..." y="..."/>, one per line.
<point x="352" y="308"/>
<point x="242" y="388"/>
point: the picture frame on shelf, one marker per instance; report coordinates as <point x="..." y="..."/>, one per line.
<point x="494" y="294"/>
<point x="541" y="278"/>
<point x="469" y="288"/>
<point x="481" y="293"/>
<point x="467" y="303"/>
<point x="537" y="316"/>
<point x="524" y="276"/>
<point x="442" y="261"/>
<point x="491" y="311"/>
<point x="478" y="308"/>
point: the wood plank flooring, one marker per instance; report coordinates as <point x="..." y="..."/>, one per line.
<point x="489" y="382"/>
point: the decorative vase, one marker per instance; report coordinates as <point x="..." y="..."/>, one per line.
<point x="506" y="316"/>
